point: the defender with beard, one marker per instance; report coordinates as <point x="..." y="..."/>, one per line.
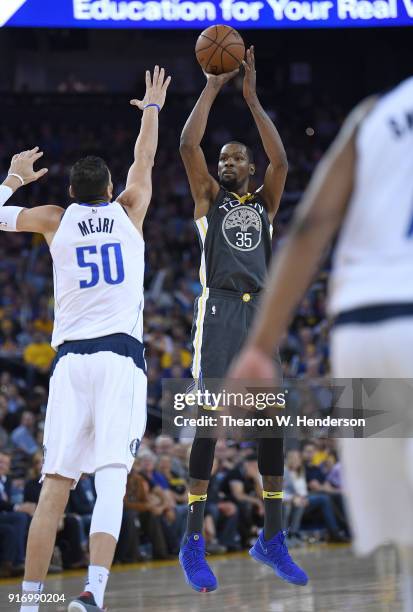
<point x="235" y="232"/>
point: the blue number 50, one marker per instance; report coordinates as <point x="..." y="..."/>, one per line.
<point x="112" y="277"/>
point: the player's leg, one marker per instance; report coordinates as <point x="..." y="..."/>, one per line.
<point x="406" y="565"/>
<point x="42" y="534"/>
<point x="212" y="355"/>
<point x="270" y="547"/>
<point x="200" y="467"/>
<point x="118" y="387"/>
<point x="110" y="485"/>
<point x="378" y="351"/>
<point x="66" y="438"/>
<point x="198" y="575"/>
<point x="271" y="467"/>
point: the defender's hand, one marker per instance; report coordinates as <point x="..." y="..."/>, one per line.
<point x="218" y="80"/>
<point x="155" y="89"/>
<point x="252" y="364"/>
<point x="250" y="77"/>
<point x="22" y="164"/>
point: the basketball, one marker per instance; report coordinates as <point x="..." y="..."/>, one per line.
<point x="219" y="49"/>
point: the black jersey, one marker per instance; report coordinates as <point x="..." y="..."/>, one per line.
<point x="235" y="238"/>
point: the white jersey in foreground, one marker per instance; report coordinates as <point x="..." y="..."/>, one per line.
<point x="373" y="262"/>
<point x="98" y="268"/>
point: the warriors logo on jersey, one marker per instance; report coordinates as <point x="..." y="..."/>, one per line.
<point x="235" y="239"/>
<point x="242" y="228"/>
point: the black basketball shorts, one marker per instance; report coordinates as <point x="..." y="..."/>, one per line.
<point x="222" y="322"/>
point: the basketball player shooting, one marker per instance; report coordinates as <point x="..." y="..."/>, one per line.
<point x="364" y="180"/>
<point x="96" y="412"/>
<point x="235" y="230"/>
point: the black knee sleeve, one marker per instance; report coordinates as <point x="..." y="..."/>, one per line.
<point x="202" y="458"/>
<point x="271" y="456"/>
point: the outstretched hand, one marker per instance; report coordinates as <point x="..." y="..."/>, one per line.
<point x="250" y="76"/>
<point x="252" y="364"/>
<point x="156" y="87"/>
<point x="22" y="165"/>
<point x="219" y="80"/>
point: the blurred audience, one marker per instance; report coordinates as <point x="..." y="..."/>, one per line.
<point x="155" y="504"/>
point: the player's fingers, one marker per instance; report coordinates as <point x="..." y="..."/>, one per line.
<point x="148" y="81"/>
<point x="134" y="102"/>
<point x="40" y="173"/>
<point x="161" y="77"/>
<point x="155" y="75"/>
<point x="233" y="73"/>
<point x="34" y="150"/>
<point x="37" y="155"/>
<point x="166" y="84"/>
<point x="246" y="67"/>
<point x="253" y="56"/>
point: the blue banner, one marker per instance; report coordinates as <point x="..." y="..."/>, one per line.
<point x="203" y="13"/>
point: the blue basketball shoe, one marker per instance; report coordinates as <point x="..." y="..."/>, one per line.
<point x="197" y="572"/>
<point x="274" y="553"/>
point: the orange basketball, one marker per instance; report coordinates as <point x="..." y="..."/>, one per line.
<point x="219" y="49"/>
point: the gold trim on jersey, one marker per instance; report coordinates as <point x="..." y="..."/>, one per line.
<point x="197" y="343"/>
<point x="202" y="225"/>
<point x="243" y="198"/>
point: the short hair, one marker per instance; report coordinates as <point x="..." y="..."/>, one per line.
<point x="250" y="152"/>
<point x="89" y="178"/>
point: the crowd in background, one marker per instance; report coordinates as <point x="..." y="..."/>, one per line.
<point x="155" y="504"/>
<point x="156" y="499"/>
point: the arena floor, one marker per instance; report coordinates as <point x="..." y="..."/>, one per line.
<point x="338" y="582"/>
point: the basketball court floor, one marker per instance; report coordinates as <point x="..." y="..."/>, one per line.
<point x="338" y="582"/>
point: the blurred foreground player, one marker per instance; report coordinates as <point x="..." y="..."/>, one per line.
<point x="96" y="413"/>
<point x="364" y="186"/>
<point x="235" y="231"/>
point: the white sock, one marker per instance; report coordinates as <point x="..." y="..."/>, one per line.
<point x="32" y="588"/>
<point x="97" y="578"/>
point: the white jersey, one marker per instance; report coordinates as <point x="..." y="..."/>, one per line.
<point x="373" y="262"/>
<point x="98" y="268"/>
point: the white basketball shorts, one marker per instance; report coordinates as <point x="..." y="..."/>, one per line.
<point x="96" y="413"/>
<point x="377" y="472"/>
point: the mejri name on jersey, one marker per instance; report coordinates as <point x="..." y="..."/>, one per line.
<point x="103" y="224"/>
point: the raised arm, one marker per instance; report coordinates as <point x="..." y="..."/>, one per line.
<point x="138" y="192"/>
<point x="204" y="187"/>
<point x="277" y="170"/>
<point x="41" y="219"/>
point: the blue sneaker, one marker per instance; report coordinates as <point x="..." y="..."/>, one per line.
<point x="275" y="553"/>
<point x="197" y="572"/>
